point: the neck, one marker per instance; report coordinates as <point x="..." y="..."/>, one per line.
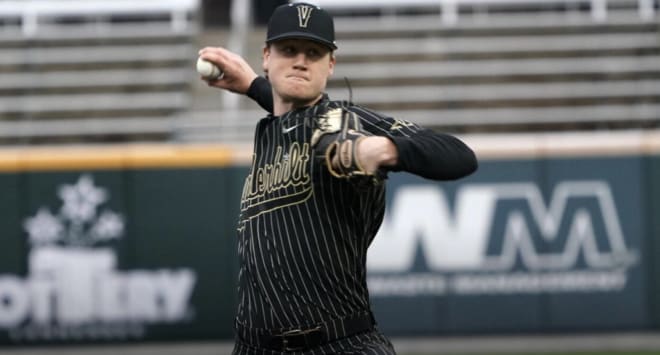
<point x="282" y="106"/>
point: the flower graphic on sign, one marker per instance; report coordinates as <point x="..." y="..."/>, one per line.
<point x="44" y="228"/>
<point x="77" y="223"/>
<point x="108" y="226"/>
<point x="81" y="199"/>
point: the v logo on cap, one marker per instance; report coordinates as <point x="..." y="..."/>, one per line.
<point x="283" y="24"/>
<point x="304" y="14"/>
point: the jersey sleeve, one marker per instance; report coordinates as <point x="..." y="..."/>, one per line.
<point x="260" y="91"/>
<point x="421" y="151"/>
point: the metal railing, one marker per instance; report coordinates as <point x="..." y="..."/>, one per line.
<point x="450" y="8"/>
<point x="31" y="14"/>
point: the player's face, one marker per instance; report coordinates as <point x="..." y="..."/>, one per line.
<point x="298" y="69"/>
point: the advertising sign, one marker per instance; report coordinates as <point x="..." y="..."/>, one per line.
<point x="74" y="288"/>
<point x="521" y="245"/>
<point x="118" y="256"/>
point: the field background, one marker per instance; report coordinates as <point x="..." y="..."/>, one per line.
<point x="548" y="93"/>
<point x="565" y="344"/>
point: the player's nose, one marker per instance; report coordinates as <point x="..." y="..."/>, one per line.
<point x="300" y="60"/>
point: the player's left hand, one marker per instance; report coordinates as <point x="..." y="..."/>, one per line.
<point x="348" y="150"/>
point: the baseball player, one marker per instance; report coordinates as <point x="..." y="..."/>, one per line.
<point x="315" y="194"/>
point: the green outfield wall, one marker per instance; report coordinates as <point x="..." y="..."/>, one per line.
<point x="117" y="244"/>
<point x="652" y="239"/>
<point x="136" y="243"/>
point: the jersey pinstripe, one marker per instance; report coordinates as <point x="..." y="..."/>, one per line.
<point x="303" y="234"/>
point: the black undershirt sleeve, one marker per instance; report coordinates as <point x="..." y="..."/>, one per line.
<point x="261" y="92"/>
<point x="434" y="155"/>
<point x="421" y="151"/>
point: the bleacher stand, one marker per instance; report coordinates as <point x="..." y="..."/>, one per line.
<point x="114" y="71"/>
<point x="487" y="65"/>
<point x="94" y="71"/>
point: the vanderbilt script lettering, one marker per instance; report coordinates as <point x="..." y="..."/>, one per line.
<point x="285" y="171"/>
<point x="283" y="182"/>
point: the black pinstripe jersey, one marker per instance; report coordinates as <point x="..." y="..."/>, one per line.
<point x="303" y="234"/>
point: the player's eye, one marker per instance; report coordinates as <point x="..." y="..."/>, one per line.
<point x="288" y="50"/>
<point x="313" y="53"/>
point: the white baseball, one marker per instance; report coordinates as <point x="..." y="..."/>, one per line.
<point x="208" y="70"/>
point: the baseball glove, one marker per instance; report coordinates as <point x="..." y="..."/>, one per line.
<point x="336" y="135"/>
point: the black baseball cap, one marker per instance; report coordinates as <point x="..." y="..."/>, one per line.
<point x="304" y="21"/>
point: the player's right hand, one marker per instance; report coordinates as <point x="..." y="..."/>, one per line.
<point x="238" y="75"/>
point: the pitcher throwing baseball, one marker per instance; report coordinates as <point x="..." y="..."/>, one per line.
<point x="315" y="195"/>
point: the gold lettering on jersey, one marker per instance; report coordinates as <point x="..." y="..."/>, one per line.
<point x="304" y="14"/>
<point x="398" y="124"/>
<point x="283" y="182"/>
<point x="330" y="122"/>
<point x="283" y="172"/>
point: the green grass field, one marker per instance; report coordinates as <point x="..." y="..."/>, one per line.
<point x="223" y="349"/>
<point x="559" y="353"/>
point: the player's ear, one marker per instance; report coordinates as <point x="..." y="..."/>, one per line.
<point x="333" y="61"/>
<point x="266" y="58"/>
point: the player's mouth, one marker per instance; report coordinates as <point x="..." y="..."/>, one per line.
<point x="298" y="77"/>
